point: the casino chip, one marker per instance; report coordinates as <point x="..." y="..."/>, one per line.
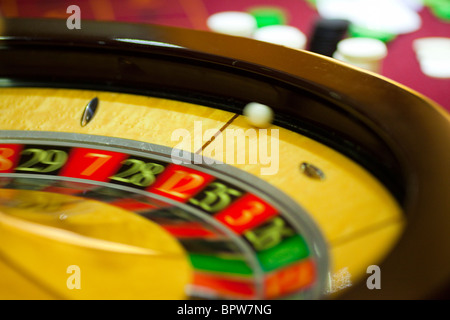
<point x="284" y="35"/>
<point x="364" y="32"/>
<point x="326" y="35"/>
<point x="233" y="23"/>
<point x="433" y="54"/>
<point x="381" y="15"/>
<point x="268" y="15"/>
<point x="440" y="8"/>
<point x="366" y="53"/>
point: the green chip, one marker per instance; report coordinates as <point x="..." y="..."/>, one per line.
<point x="440" y="8"/>
<point x="442" y="12"/>
<point x="362" y="32"/>
<point x="312" y="3"/>
<point x="268" y="16"/>
<point x="435" y="3"/>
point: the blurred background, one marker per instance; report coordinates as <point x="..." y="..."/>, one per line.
<point x="397" y="24"/>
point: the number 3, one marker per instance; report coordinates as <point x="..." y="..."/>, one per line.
<point x="5" y="162"/>
<point x="247" y="214"/>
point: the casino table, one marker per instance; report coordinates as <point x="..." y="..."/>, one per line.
<point x="128" y="170"/>
<point x="400" y="64"/>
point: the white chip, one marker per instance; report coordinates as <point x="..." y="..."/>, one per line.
<point x="362" y="49"/>
<point x="391" y="16"/>
<point x="432" y="47"/>
<point x="258" y="115"/>
<point x="433" y="54"/>
<point x="436" y="68"/>
<point x="284" y="35"/>
<point x="366" y="53"/>
<point x="233" y="23"/>
<point x="368" y="65"/>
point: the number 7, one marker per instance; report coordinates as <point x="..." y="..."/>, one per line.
<point x="100" y="160"/>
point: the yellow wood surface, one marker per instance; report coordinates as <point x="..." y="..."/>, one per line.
<point x="120" y="115"/>
<point x="358" y="217"/>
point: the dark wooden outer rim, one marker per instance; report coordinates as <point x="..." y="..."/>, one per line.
<point x="414" y="132"/>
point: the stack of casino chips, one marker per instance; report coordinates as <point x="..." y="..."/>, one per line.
<point x="326" y="35"/>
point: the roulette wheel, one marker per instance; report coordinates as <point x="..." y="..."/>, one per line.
<point x="128" y="170"/>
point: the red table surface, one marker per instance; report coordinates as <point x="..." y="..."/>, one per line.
<point x="400" y="65"/>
